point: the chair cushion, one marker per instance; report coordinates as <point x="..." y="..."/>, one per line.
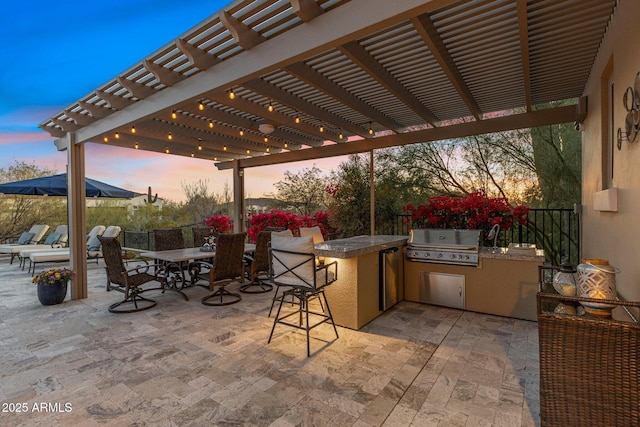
<point x="93" y="243"/>
<point x="25" y="238"/>
<point x="313" y="232"/>
<point x="283" y="233"/>
<point x="52" y="238"/>
<point x="283" y="261"/>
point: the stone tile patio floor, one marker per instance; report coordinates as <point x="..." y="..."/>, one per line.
<point x="186" y="364"/>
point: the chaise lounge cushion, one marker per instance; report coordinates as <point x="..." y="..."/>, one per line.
<point x="25" y="238"/>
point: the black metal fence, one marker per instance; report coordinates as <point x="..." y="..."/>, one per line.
<point x="556" y="231"/>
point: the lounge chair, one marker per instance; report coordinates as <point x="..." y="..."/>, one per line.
<point x="56" y="239"/>
<point x="25" y="253"/>
<point x="31" y="237"/>
<point x="94" y="250"/>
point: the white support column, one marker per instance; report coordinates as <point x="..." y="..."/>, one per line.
<point x="238" y="198"/>
<point x="76" y="193"/>
<point x="372" y="192"/>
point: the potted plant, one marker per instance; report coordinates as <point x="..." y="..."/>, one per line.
<point x="52" y="285"/>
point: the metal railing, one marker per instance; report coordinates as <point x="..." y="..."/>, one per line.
<point x="556" y="231"/>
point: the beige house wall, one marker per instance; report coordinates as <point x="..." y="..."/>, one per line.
<point x="606" y="234"/>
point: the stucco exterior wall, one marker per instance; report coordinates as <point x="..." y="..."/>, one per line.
<point x="614" y="235"/>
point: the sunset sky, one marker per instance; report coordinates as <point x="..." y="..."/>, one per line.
<point x="56" y="52"/>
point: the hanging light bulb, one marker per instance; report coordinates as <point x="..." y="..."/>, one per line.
<point x="321" y="128"/>
<point x="199" y="144"/>
<point x="224" y="148"/>
<point x="211" y="124"/>
<point x="297" y="119"/>
<point x="286" y="145"/>
<point x="193" y="155"/>
<point x="340" y="136"/>
<point x="370" y="129"/>
<point x="232" y="94"/>
<point x="174" y="115"/>
<point x="268" y="150"/>
<point x="266" y="139"/>
<point x="215" y="159"/>
<point x="105" y="139"/>
<point x="200" y="106"/>
<point x="117" y="135"/>
<point x="270" y="107"/>
<point x="136" y="146"/>
<point x="133" y="129"/>
<point x="166" y="150"/>
<point x="169" y="136"/>
<point x="248" y="151"/>
<point x="241" y="132"/>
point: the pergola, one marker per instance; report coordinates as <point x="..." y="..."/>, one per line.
<point x="273" y="81"/>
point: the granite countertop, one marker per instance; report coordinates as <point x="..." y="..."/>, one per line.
<point x="503" y="253"/>
<point x="358" y="245"/>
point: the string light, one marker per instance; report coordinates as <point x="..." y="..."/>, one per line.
<point x="266" y="139"/>
<point x="215" y="159"/>
<point x="248" y="151"/>
<point x="199" y="144"/>
<point x="297" y="120"/>
<point x="174" y="115"/>
<point x="268" y="150"/>
<point x="193" y="155"/>
<point x="200" y="106"/>
<point x="241" y="132"/>
<point x="136" y="146"/>
<point x="232" y="94"/>
<point x="370" y="129"/>
<point x="270" y="107"/>
<point x="105" y="139"/>
<point x="117" y="135"/>
<point x="169" y="136"/>
<point x="211" y="124"/>
<point x="133" y="129"/>
<point x="224" y="148"/>
<point x="286" y="145"/>
<point x="321" y="128"/>
<point x="166" y="150"/>
<point x="340" y="136"/>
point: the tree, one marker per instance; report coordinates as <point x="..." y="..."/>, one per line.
<point x="303" y="191"/>
<point x="201" y="203"/>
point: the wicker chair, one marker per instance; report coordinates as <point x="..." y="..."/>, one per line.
<point x="228" y="267"/>
<point x="167" y="239"/>
<point x="258" y="266"/>
<point x="129" y="281"/>
<point x="293" y="264"/>
<point x="200" y="234"/>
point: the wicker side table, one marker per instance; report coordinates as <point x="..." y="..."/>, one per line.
<point x="589" y="373"/>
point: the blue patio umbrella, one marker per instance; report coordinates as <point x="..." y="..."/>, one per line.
<point x="56" y="185"/>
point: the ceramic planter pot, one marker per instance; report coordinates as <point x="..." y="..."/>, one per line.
<point x="50" y="295"/>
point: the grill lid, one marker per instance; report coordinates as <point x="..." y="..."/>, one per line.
<point x="468" y="240"/>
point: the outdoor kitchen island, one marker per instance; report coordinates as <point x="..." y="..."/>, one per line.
<point x="503" y="283"/>
<point x="354" y="297"/>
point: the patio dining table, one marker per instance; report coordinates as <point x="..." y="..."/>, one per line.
<point x="179" y="258"/>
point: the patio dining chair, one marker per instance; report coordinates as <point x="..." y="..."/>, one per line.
<point x="167" y="239"/>
<point x="293" y="264"/>
<point x="258" y="266"/>
<point x="228" y="267"/>
<point x="129" y="281"/>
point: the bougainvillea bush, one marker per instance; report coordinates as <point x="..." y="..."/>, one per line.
<point x="475" y="211"/>
<point x="288" y="220"/>
<point x="220" y="223"/>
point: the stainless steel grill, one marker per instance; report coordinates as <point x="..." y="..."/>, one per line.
<point x="444" y="246"/>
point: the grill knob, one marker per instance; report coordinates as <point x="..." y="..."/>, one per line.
<point x="439" y="255"/>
